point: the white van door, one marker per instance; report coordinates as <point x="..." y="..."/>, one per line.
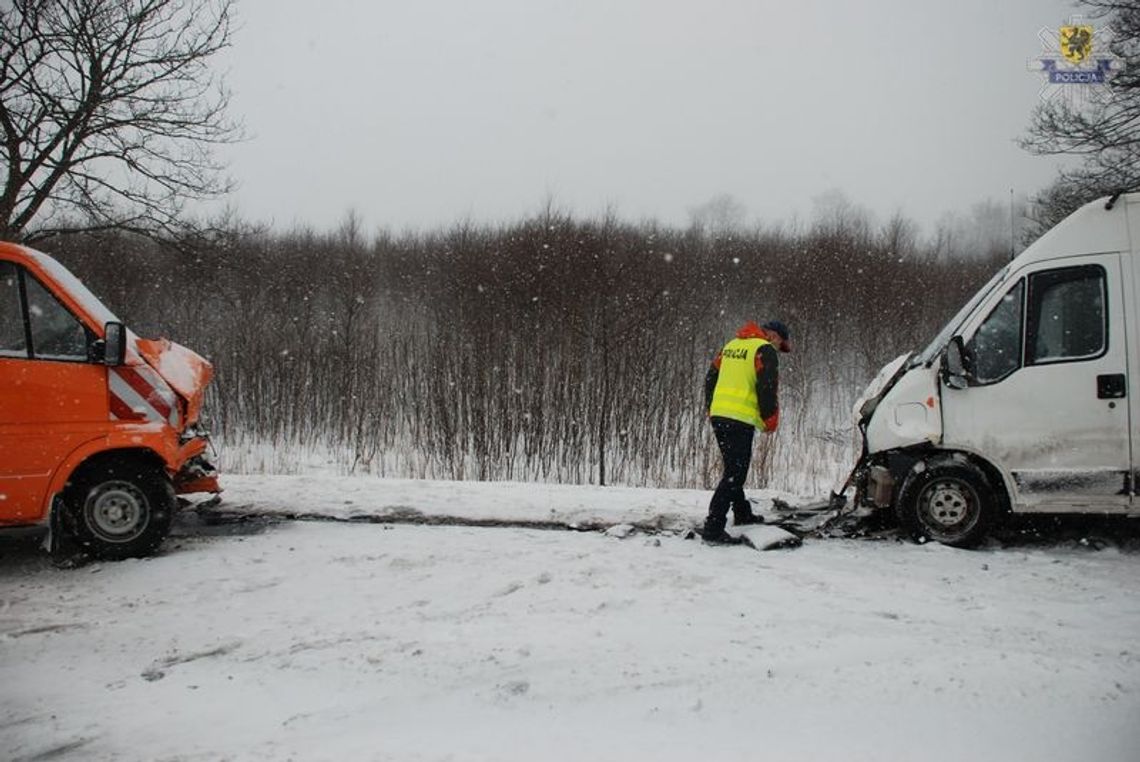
<point x="1049" y="402"/>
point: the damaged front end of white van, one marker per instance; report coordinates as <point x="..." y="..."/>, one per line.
<point x="1021" y="402"/>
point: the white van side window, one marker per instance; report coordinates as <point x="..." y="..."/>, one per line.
<point x="1067" y="315"/>
<point x="56" y="333"/>
<point x="13" y="340"/>
<point x="995" y="349"/>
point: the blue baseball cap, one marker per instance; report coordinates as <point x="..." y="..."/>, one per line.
<point x="777" y="327"/>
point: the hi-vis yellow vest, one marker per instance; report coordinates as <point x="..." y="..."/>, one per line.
<point x="735" y="393"/>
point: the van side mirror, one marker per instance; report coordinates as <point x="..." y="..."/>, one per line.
<point x="114" y="344"/>
<point x="954" y="371"/>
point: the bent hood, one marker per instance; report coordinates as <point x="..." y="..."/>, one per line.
<point x="906" y="411"/>
<point x="888" y="375"/>
<point x="186" y="371"/>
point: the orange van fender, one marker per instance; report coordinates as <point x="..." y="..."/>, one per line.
<point x="164" y="449"/>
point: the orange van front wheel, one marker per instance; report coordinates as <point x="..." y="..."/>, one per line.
<point x="121" y="507"/>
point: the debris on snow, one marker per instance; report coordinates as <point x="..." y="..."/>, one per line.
<point x="620" y="531"/>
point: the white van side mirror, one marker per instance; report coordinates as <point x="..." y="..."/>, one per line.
<point x="114" y="344"/>
<point x="954" y="365"/>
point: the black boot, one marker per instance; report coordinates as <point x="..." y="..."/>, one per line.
<point x="742" y="515"/>
<point x="714" y="534"/>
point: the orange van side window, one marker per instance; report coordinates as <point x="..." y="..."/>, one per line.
<point x="56" y="333"/>
<point x="13" y="338"/>
<point x="28" y="310"/>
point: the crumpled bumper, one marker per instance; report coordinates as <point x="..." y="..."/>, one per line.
<point x="197" y="473"/>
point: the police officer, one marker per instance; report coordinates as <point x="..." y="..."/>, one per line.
<point x="741" y="390"/>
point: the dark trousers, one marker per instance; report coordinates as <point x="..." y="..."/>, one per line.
<point x="735" y="441"/>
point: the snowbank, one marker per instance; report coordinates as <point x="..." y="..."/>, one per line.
<point x="354" y="498"/>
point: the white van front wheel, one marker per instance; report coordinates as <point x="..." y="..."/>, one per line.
<point x="949" y="501"/>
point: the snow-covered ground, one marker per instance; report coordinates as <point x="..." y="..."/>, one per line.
<point x="305" y="640"/>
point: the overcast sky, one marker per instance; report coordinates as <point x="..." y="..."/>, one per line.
<point x="420" y="113"/>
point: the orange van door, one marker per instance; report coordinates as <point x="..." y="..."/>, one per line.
<point x="52" y="398"/>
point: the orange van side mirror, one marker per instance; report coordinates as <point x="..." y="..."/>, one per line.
<point x="114" y="344"/>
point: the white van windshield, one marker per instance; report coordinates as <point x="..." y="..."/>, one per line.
<point x="926" y="356"/>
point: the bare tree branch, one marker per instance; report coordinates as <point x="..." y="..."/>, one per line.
<point x="109" y="113"/>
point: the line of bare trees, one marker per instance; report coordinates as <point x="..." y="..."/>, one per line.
<point x="556" y="349"/>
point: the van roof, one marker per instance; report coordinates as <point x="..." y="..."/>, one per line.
<point x="1092" y="229"/>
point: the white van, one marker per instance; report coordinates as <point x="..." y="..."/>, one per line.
<point x="1021" y="403"/>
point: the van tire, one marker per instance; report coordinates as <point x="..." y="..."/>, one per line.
<point x="121" y="508"/>
<point x="950" y="501"/>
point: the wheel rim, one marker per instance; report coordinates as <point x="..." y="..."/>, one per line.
<point x="948" y="509"/>
<point x="117" y="511"/>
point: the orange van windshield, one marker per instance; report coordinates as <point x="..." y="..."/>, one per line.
<point x="74" y="287"/>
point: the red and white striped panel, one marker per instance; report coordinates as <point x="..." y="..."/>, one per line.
<point x="140" y="394"/>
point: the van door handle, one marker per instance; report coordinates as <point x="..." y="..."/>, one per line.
<point x="1111" y="386"/>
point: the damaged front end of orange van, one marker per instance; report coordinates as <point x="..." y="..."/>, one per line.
<point x="99" y="429"/>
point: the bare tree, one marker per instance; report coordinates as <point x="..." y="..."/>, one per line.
<point x="1058" y="200"/>
<point x="109" y="113"/>
<point x="988" y="231"/>
<point x="720" y="215"/>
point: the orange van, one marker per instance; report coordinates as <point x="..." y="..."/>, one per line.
<point x="98" y="427"/>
